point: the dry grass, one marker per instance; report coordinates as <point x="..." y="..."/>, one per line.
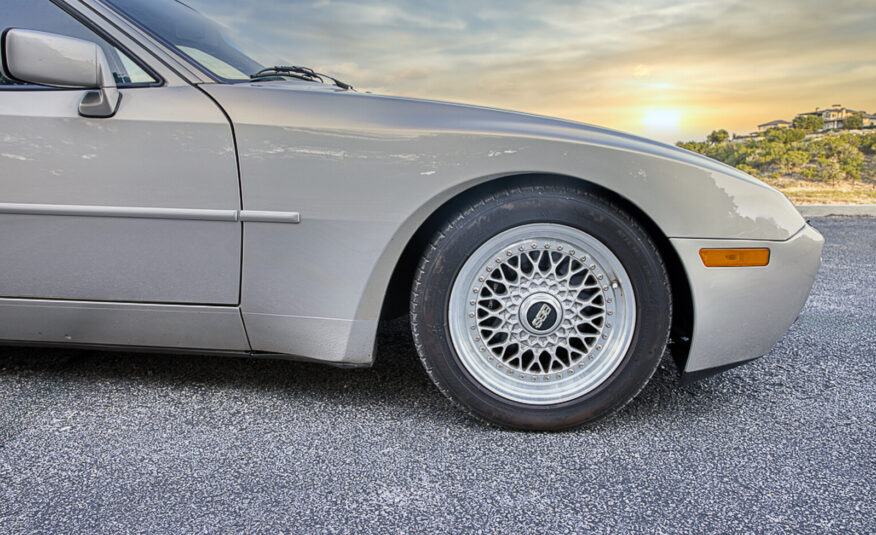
<point x="802" y="191"/>
<point x="809" y="192"/>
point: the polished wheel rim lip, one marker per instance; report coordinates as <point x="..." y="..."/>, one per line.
<point x="497" y="289"/>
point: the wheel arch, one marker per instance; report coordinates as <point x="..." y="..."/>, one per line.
<point x="397" y="295"/>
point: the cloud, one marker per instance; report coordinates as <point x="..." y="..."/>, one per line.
<point x="730" y="63"/>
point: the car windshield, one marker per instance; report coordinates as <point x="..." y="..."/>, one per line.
<point x="192" y="34"/>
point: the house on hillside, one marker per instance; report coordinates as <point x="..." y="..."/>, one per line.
<point x="835" y="116"/>
<point x="778" y="123"/>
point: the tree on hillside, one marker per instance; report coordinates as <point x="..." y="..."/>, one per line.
<point x="718" y="136"/>
<point x="786" y="153"/>
<point x="784" y="135"/>
<point x="868" y="143"/>
<point x="854" y="121"/>
<point x="808" y="123"/>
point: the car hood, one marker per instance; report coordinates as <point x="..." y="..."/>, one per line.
<point x="457" y="116"/>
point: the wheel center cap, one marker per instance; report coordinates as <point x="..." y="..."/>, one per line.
<point x="541" y="313"/>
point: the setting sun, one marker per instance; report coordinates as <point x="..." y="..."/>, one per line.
<point x="662" y="120"/>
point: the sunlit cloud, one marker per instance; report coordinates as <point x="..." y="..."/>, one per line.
<point x="714" y="64"/>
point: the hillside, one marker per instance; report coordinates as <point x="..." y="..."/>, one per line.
<point x="816" y="168"/>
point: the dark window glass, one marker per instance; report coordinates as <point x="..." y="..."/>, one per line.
<point x="192" y="34"/>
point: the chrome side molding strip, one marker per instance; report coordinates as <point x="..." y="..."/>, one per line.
<point x="191" y="214"/>
<point x="258" y="216"/>
<point x="118" y="211"/>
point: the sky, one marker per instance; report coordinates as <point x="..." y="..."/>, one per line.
<point x="667" y="70"/>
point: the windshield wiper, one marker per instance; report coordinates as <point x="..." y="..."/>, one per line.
<point x="301" y="73"/>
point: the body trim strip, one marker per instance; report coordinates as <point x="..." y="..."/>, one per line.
<point x="190" y="214"/>
<point x="258" y="216"/>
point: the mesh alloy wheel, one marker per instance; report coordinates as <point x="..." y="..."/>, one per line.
<point x="541" y="313"/>
<point x="541" y="307"/>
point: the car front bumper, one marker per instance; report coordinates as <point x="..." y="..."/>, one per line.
<point x="739" y="313"/>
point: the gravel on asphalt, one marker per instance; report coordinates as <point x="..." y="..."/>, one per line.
<point x="94" y="442"/>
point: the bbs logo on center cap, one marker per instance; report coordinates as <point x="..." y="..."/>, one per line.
<point x="541" y="316"/>
<point x="541" y="313"/>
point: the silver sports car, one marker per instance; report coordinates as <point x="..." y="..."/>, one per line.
<point x="160" y="189"/>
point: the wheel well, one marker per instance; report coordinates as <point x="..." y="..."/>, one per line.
<point x="397" y="298"/>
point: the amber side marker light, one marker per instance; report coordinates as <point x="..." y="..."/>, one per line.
<point x="735" y="257"/>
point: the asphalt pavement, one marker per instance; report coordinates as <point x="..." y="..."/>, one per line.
<point x="94" y="442"/>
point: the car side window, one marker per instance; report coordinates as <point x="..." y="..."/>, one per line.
<point x="45" y="16"/>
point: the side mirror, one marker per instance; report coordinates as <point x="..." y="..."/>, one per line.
<point x="59" y="61"/>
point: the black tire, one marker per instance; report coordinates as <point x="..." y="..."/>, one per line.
<point x="485" y="218"/>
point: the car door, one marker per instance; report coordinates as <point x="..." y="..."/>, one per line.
<point x="142" y="206"/>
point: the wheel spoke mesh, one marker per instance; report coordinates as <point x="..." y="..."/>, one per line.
<point x="520" y="273"/>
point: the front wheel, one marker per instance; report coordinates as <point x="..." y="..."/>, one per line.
<point x="541" y="308"/>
